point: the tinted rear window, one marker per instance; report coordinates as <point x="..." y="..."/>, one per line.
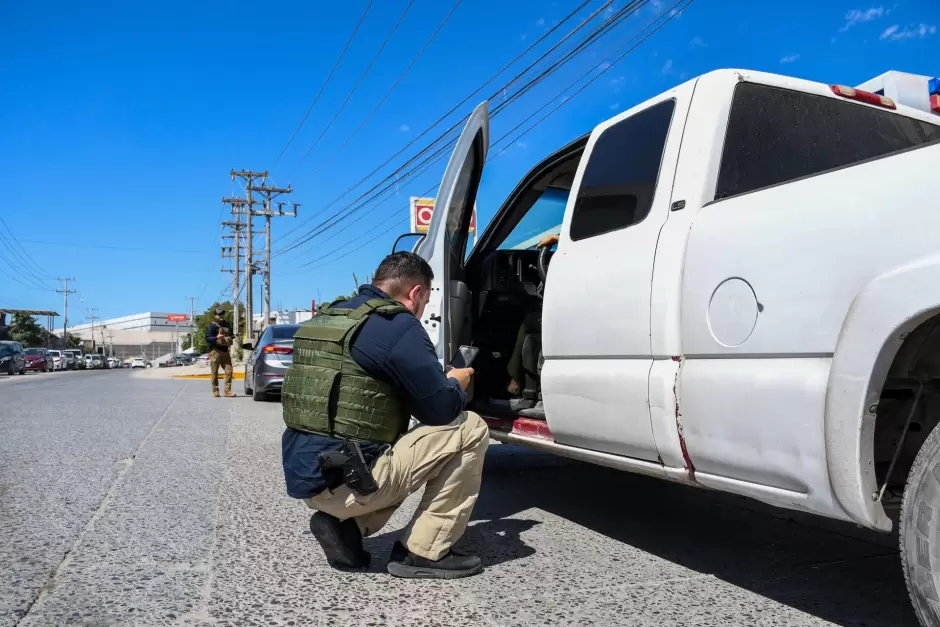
<point x="617" y="188"/>
<point x="285" y="332"/>
<point x="777" y="135"/>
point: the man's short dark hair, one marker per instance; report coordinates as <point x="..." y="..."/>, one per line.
<point x="404" y="267"/>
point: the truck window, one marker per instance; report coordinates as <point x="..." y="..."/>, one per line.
<point x="778" y="135"/>
<point x="620" y="179"/>
<point x="543" y="218"/>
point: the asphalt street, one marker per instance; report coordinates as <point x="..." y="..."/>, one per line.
<point x="136" y="501"/>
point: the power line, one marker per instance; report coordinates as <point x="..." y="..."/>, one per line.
<point x="43" y="275"/>
<point x="610" y="64"/>
<point x="346" y="211"/>
<point x="356" y="86"/>
<point x="414" y="140"/>
<point x="325" y="82"/>
<point x="395" y="84"/>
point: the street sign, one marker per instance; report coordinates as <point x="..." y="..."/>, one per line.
<point x="422" y="209"/>
<point x="177" y="317"/>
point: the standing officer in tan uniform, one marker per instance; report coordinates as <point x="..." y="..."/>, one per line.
<point x="219" y="339"/>
<point x="361" y="369"/>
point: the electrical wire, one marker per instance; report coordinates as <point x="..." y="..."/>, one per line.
<point x="394" y="85"/>
<point x="339" y="215"/>
<point x="355" y="87"/>
<point x="414" y="140"/>
<point x="592" y="37"/>
<point x="664" y="18"/>
<point x="325" y="82"/>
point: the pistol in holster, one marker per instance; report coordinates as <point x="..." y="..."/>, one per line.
<point x="356" y="473"/>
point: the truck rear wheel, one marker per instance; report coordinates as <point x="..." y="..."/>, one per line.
<point x="919" y="528"/>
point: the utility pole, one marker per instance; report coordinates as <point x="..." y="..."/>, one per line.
<point x="192" y="322"/>
<point x="269" y="194"/>
<point x="249" y="177"/>
<point x="240" y="208"/>
<point x="93" y="315"/>
<point x="65" y="319"/>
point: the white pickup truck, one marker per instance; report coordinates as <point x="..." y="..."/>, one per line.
<point x="744" y="297"/>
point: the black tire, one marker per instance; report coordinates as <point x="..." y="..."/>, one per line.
<point x="23" y="370"/>
<point x="248" y="389"/>
<point x="11" y="369"/>
<point x="259" y="396"/>
<point x="919" y="526"/>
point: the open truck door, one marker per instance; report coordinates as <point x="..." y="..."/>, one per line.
<point x="446" y="318"/>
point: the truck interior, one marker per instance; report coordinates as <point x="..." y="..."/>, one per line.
<point x="505" y="278"/>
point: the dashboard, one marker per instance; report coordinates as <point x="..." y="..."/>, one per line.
<point x="509" y="271"/>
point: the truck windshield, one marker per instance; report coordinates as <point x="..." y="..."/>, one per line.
<point x="543" y="218"/>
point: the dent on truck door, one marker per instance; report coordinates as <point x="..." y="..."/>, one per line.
<point x="596" y="321"/>
<point x="445" y="246"/>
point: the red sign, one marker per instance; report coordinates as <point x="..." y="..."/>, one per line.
<point x="422" y="210"/>
<point x="177" y="317"/>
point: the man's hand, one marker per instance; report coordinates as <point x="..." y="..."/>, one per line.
<point x="548" y="240"/>
<point x="461" y="376"/>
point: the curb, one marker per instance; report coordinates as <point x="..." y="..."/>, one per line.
<point x="235" y="375"/>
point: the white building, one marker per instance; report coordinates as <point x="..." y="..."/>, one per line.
<point x="147" y="321"/>
<point x="149" y="334"/>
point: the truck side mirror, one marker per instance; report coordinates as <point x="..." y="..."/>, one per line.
<point x="420" y="237"/>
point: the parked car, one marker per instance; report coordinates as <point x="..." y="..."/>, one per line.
<point x="78" y="358"/>
<point x="138" y="363"/>
<point x="774" y="326"/>
<point x="12" y="358"/>
<point x="59" y="360"/>
<point x="94" y="362"/>
<point x="267" y="363"/>
<point x="203" y="360"/>
<point x="39" y="360"/>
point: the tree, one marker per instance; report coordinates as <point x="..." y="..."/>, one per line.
<point x="27" y="331"/>
<point x="74" y="341"/>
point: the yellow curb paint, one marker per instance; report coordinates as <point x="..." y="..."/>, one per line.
<point x="235" y="375"/>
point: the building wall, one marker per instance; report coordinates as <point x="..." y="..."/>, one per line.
<point x="146" y="321"/>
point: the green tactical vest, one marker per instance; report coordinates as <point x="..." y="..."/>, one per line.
<point x="326" y="392"/>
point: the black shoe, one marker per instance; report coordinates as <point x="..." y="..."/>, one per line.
<point x="341" y="541"/>
<point x="403" y="563"/>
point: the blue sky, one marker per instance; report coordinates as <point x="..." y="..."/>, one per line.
<point x="119" y="121"/>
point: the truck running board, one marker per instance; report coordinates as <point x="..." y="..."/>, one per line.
<point x="535" y="434"/>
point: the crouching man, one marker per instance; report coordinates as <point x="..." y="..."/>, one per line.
<point x="361" y="368"/>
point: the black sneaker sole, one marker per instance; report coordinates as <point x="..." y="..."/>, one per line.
<point x="403" y="571"/>
<point x="326" y="530"/>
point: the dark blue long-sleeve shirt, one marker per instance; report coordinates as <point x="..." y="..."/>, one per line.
<point x="212" y="333"/>
<point x="398" y="351"/>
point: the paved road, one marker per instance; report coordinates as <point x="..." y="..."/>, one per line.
<point x="133" y="501"/>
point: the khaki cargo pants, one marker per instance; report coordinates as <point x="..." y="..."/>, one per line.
<point x="447" y="461"/>
<point x="221" y="359"/>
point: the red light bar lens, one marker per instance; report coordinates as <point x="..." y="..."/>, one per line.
<point x="935" y="103"/>
<point x="277" y="350"/>
<point x="863" y="96"/>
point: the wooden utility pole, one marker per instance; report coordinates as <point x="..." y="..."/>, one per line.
<point x="269" y="194"/>
<point x="249" y="176"/>
<point x="65" y="318"/>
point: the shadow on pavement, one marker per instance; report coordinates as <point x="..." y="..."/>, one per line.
<point x="831" y="570"/>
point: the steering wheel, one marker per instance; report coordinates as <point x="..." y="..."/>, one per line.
<point x="544" y="254"/>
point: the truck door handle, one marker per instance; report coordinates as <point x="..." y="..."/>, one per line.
<point x="434" y="318"/>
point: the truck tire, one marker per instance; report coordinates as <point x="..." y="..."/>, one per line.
<point x="919" y="526"/>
